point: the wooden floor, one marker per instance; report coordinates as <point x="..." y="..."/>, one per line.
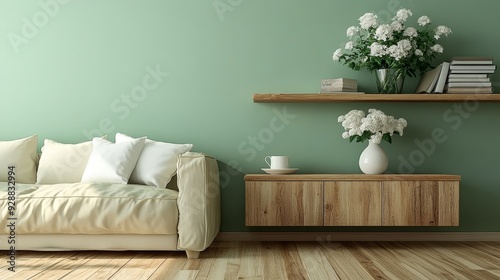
<point x="271" y="260"/>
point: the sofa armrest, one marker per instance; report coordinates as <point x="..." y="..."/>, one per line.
<point x="198" y="202"/>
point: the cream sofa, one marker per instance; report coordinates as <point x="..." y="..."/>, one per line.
<point x="106" y="216"/>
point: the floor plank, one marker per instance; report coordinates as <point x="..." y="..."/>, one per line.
<point x="293" y="263"/>
<point x="251" y="263"/>
<point x="274" y="264"/>
<point x="209" y="257"/>
<point x="28" y="263"/>
<point x="185" y="275"/>
<point x="271" y="260"/>
<point x="344" y="262"/>
<point x="315" y="262"/>
<point x="65" y="266"/>
<point x="219" y="266"/>
<point x="30" y="266"/>
<point x="233" y="262"/>
<point x="117" y="260"/>
<point x="142" y="266"/>
<point x="169" y="269"/>
<point x="366" y="261"/>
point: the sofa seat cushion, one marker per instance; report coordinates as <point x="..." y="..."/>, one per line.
<point x="91" y="208"/>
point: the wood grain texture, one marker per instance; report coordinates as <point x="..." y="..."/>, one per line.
<point x="251" y="264"/>
<point x="315" y="262"/>
<point x="172" y="266"/>
<point x="352" y="200"/>
<point x="420" y="203"/>
<point x="353" y="203"/>
<point x="143" y="265"/>
<point x="106" y="267"/>
<point x="449" y="203"/>
<point x="283" y="203"/>
<point x="375" y="97"/>
<point x="352" y="177"/>
<point x="343" y="261"/>
<point x="273" y="260"/>
<point x="35" y="263"/>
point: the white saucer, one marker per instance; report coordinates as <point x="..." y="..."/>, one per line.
<point x="279" y="171"/>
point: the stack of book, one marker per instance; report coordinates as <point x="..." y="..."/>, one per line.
<point x="339" y="85"/>
<point x="434" y="80"/>
<point x="470" y="75"/>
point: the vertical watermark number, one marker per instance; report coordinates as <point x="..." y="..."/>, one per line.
<point x="11" y="217"/>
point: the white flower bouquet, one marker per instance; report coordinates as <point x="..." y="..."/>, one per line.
<point x="376" y="126"/>
<point x="376" y="46"/>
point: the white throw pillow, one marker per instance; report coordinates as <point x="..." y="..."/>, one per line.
<point x="22" y="155"/>
<point x="62" y="163"/>
<point x="157" y="163"/>
<point x="112" y="162"/>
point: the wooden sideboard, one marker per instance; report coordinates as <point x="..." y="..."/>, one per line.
<point x="352" y="200"/>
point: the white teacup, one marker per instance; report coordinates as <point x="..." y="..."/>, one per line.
<point x="277" y="162"/>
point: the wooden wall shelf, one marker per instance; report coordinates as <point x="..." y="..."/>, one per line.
<point x="370" y="97"/>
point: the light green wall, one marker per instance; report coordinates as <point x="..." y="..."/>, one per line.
<point x="74" y="72"/>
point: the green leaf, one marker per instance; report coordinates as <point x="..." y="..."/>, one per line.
<point x="387" y="137"/>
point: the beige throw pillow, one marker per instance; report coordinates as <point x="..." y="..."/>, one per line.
<point x="22" y="155"/>
<point x="63" y="163"/>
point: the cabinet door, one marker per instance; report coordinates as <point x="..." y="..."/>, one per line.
<point x="283" y="203"/>
<point x="420" y="203"/>
<point x="353" y="203"/>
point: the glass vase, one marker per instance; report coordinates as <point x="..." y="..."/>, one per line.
<point x="390" y="80"/>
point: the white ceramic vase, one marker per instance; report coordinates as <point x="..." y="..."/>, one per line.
<point x="373" y="159"/>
